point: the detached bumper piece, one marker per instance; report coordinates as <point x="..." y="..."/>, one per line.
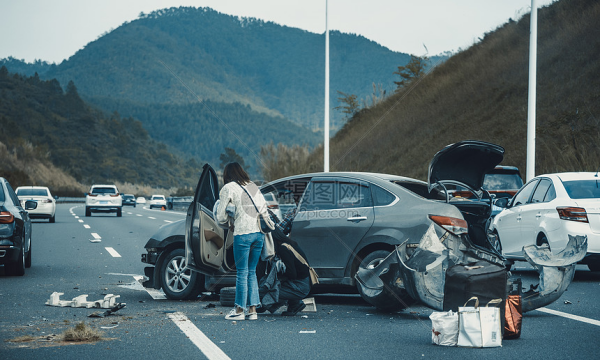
<point x="108" y="302"/>
<point x="422" y="276"/>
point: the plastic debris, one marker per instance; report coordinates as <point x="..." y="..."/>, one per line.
<point x="108" y="312"/>
<point x="108" y="302"/>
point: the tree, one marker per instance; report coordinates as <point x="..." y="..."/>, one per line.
<point x="350" y="107"/>
<point x="230" y="156"/>
<point x="415" y="69"/>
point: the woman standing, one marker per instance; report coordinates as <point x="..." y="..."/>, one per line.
<point x="247" y="238"/>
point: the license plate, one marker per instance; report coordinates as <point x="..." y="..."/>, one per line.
<point x="103" y="202"/>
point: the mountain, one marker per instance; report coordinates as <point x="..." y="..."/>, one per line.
<point x="482" y="92"/>
<point x="59" y="128"/>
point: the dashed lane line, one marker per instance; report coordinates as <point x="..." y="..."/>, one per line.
<point x="96" y="236"/>
<point x="150" y="217"/>
<point x="208" y="348"/>
<point x="112" y="252"/>
<point x="86" y="226"/>
<point x="570" y="316"/>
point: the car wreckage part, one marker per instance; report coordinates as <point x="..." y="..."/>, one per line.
<point x="421" y="276"/>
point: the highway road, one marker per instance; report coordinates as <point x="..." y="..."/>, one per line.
<point x="100" y="255"/>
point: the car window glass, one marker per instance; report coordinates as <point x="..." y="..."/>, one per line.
<point x="523" y="196"/>
<point x="2" y="197"/>
<point x="583" y="189"/>
<point x="540" y="191"/>
<point x="551" y="194"/>
<point x="32" y="192"/>
<point x="382" y="197"/>
<point x="104" y="190"/>
<point x="502" y="181"/>
<point x="325" y="195"/>
<point x="12" y="195"/>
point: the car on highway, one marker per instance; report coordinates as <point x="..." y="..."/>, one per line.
<point x="345" y="221"/>
<point x="140" y="200"/>
<point x="128" y="200"/>
<point x="103" y="198"/>
<point x="158" y="201"/>
<point x="15" y="230"/>
<point x="548" y="209"/>
<point x="46" y="208"/>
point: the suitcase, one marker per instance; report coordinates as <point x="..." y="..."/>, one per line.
<point x="483" y="279"/>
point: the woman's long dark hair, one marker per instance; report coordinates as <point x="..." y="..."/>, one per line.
<point x="234" y="172"/>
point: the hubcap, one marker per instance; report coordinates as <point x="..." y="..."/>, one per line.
<point x="178" y="277"/>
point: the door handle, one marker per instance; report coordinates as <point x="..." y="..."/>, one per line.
<point x="357" y="218"/>
<point x="538" y="215"/>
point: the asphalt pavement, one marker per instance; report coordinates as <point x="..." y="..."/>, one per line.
<point x="100" y="255"/>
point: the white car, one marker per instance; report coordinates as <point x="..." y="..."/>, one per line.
<point x="158" y="201"/>
<point x="46" y="208"/>
<point x="548" y="209"/>
<point x="140" y="200"/>
<point x="103" y="198"/>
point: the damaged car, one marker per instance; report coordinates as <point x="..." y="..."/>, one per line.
<point x="421" y="273"/>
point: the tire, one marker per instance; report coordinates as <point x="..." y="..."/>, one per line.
<point x="386" y="301"/>
<point x="28" y="257"/>
<point x="227" y="296"/>
<point x="18" y="268"/>
<point x="177" y="284"/>
<point x="53" y="219"/>
<point x="119" y="213"/>
<point x="88" y="212"/>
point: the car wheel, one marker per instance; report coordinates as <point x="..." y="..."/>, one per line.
<point x="119" y="214"/>
<point x="88" y="212"/>
<point x="177" y="282"/>
<point x="386" y="300"/>
<point x="28" y="257"/>
<point x="542" y="240"/>
<point x="227" y="296"/>
<point x="18" y="268"/>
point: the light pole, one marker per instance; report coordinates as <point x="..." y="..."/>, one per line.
<point x="326" y="127"/>
<point x="530" y="173"/>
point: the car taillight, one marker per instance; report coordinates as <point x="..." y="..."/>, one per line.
<point x="572" y="213"/>
<point x="90" y="194"/>
<point x="114" y="195"/>
<point x="49" y="201"/>
<point x="453" y="225"/>
<point x="6" y="217"/>
<point x="273" y="206"/>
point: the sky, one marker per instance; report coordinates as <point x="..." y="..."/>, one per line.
<point x="54" y="30"/>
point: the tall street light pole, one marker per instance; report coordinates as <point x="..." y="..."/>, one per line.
<point x="326" y="127"/>
<point x="531" y="102"/>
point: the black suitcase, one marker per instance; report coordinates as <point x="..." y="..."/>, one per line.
<point x="483" y="279"/>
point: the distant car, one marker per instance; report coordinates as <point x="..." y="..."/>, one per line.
<point x="158" y="201"/>
<point x="15" y="231"/>
<point x="140" y="200"/>
<point x="103" y="198"/>
<point x="46" y="208"/>
<point x="548" y="209"/>
<point x="128" y="200"/>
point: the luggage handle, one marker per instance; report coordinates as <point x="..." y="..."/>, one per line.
<point x="476" y="301"/>
<point x="493" y="302"/>
<point x="473" y="267"/>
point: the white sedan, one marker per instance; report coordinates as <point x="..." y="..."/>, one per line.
<point x="46" y="208"/>
<point x="548" y="209"/>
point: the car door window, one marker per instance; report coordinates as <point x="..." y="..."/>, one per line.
<point x="540" y="191"/>
<point x="382" y="197"/>
<point x="550" y="194"/>
<point x="328" y="195"/>
<point x="523" y="196"/>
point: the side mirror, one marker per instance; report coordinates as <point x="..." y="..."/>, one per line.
<point x="501" y="202"/>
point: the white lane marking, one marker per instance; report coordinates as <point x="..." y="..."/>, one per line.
<point x="129" y="213"/>
<point x="168" y="221"/>
<point x="86" y="226"/>
<point x="150" y="217"/>
<point x="76" y="217"/>
<point x="96" y="236"/>
<point x="113" y="252"/>
<point x="208" y="348"/>
<point x="80" y="220"/>
<point x="139" y="215"/>
<point x="156" y="294"/>
<point x="570" y="316"/>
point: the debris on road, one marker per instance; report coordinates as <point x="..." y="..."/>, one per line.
<point x="81" y="301"/>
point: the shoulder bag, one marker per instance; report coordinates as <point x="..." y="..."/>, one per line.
<point x="314" y="278"/>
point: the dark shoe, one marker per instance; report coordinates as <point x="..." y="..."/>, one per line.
<point x="272" y="308"/>
<point x="293" y="310"/>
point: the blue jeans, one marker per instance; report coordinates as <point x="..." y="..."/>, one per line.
<point x="246" y="252"/>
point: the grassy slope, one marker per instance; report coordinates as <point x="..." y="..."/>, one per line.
<point x="481" y="93"/>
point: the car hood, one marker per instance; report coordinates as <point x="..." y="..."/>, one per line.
<point x="464" y="163"/>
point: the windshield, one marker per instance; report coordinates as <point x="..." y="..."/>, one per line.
<point x="100" y="190"/>
<point x="502" y="182"/>
<point x="583" y="189"/>
<point x="32" y="192"/>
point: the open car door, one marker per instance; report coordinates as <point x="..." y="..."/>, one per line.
<point x="204" y="239"/>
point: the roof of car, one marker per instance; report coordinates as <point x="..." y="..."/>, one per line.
<point x="352" y="174"/>
<point x="32" y="187"/>
<point x="566" y="176"/>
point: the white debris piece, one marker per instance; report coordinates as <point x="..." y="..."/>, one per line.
<point x="81" y="301"/>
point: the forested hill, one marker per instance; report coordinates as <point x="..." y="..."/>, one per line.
<point x="83" y="142"/>
<point x="482" y="92"/>
<point x="177" y="55"/>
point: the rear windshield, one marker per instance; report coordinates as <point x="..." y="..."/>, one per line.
<point x="128" y="197"/>
<point x="158" y="197"/>
<point x="32" y="192"/>
<point x="104" y="190"/>
<point x="502" y="182"/>
<point x="583" y="189"/>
